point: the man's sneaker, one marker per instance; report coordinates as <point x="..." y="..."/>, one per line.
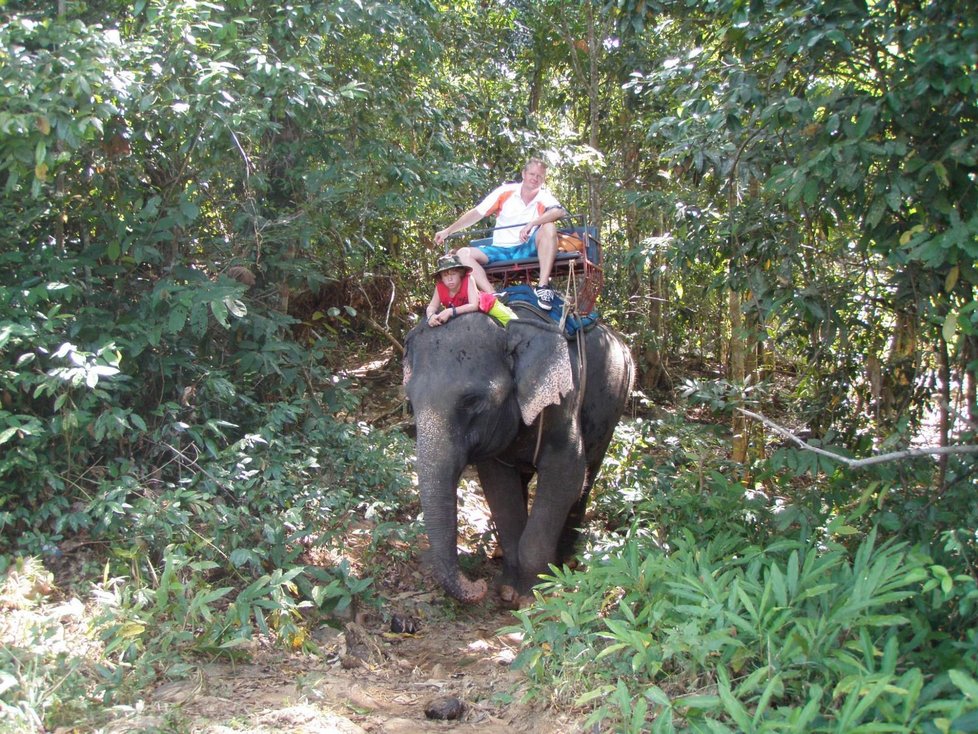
<point x="545" y="297"/>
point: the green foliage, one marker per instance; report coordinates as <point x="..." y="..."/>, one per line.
<point x="154" y="405"/>
<point x="662" y="474"/>
<point x="722" y="608"/>
<point x="791" y="636"/>
<point x="817" y="158"/>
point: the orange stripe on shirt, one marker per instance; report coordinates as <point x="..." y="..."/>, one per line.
<point x="498" y="204"/>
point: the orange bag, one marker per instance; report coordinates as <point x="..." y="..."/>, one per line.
<point x="569" y="242"/>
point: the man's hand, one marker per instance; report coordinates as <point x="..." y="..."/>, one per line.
<point x="469" y="218"/>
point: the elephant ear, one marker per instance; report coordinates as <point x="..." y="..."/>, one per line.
<point x="541" y="367"/>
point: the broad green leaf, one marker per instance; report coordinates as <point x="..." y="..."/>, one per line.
<point x="220" y="311"/>
<point x="131" y="629"/>
<point x="734" y="708"/>
<point x="237" y="308"/>
<point x="950" y="327"/>
<point x="176" y="320"/>
<point x="952" y="278"/>
<point x="965" y="683"/>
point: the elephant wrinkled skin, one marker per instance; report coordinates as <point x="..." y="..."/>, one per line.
<point x="479" y="393"/>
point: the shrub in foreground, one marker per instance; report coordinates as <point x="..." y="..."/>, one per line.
<point x="723" y="636"/>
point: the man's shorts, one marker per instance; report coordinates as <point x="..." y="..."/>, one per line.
<point x="497" y="253"/>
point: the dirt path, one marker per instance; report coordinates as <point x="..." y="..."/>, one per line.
<point x="366" y="680"/>
<point x="365" y="677"/>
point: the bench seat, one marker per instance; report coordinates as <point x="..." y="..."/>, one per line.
<point x="585" y="267"/>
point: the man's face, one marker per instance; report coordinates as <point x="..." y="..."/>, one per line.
<point x="534" y="175"/>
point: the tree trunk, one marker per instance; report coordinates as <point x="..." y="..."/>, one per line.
<point x="738" y="374"/>
<point x="943" y="407"/>
<point x="594" y="115"/>
<point x="969" y="352"/>
<point x="899" y="373"/>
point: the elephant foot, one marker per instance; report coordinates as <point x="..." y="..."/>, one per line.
<point x="512" y="599"/>
<point x="470" y="592"/>
<point x="509" y="596"/>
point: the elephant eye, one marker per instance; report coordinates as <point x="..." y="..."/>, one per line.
<point x="473" y="403"/>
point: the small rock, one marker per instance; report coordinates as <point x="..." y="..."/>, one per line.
<point x="446" y="708"/>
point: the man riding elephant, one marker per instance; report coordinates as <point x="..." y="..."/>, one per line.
<point x="525" y="215"/>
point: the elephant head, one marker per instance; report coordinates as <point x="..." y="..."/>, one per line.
<point x="472" y="384"/>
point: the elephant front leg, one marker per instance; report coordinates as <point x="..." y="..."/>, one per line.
<point x="560" y="481"/>
<point x="506" y="494"/>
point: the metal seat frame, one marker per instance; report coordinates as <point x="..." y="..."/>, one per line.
<point x="580" y="273"/>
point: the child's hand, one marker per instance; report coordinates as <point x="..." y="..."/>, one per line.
<point x="438" y="319"/>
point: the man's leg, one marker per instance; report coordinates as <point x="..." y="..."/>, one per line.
<point x="546" y="239"/>
<point x="475" y="259"/>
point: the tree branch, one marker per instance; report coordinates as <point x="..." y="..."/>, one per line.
<point x="859" y="463"/>
<point x="383" y="332"/>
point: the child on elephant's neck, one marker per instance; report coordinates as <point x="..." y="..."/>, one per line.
<point x="455" y="291"/>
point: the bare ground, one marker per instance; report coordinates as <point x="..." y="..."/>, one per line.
<point x="387" y="690"/>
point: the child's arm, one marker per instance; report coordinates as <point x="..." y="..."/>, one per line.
<point x="436" y="319"/>
<point x="450" y="313"/>
<point x="467" y="308"/>
<point x="472" y="294"/>
<point x="432" y="307"/>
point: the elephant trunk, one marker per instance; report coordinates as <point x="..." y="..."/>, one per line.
<point x="439" y="468"/>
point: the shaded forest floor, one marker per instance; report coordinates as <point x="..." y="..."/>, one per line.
<point x="363" y="679"/>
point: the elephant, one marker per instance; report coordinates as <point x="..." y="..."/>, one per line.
<point x="511" y="401"/>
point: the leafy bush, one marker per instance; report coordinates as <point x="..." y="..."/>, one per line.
<point x="721" y="635"/>
<point x="663" y="474"/>
<point x="723" y="609"/>
<point x="196" y="442"/>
